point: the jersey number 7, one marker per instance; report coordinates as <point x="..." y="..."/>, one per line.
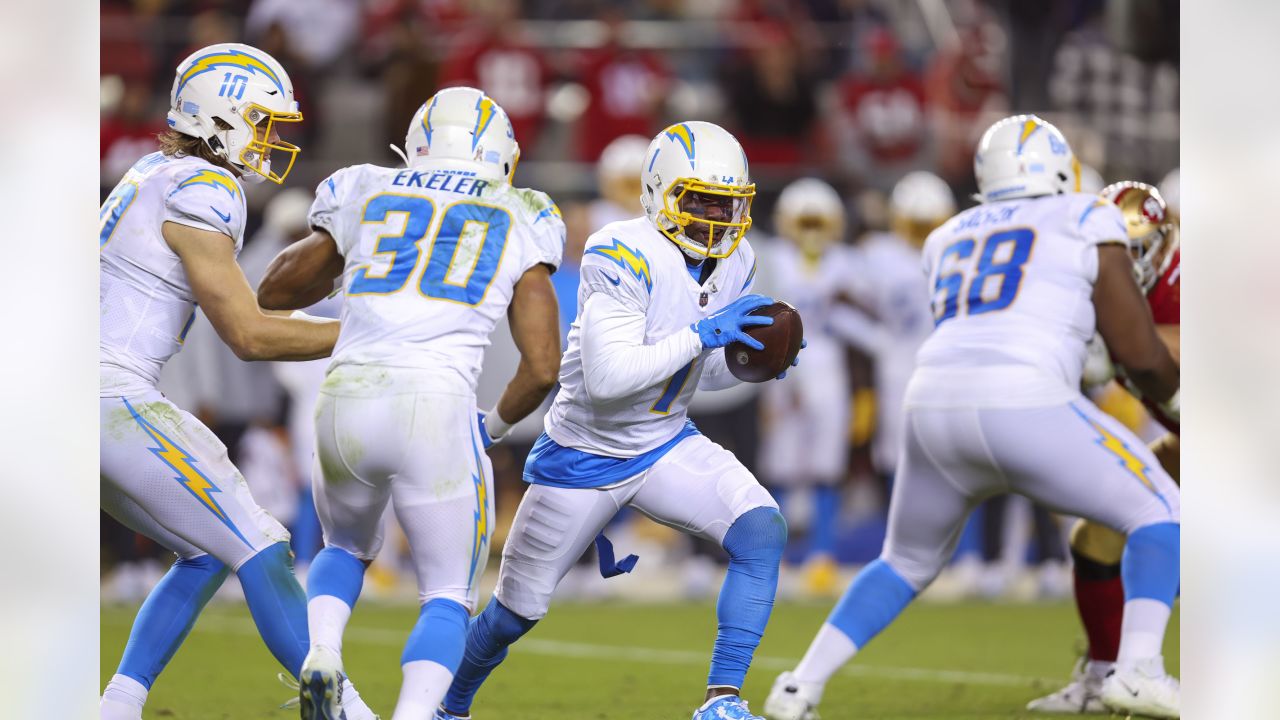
<point x="1003" y="254"/>
<point x="464" y="254"/>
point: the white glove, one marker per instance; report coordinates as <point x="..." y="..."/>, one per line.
<point x="1098" y="369"/>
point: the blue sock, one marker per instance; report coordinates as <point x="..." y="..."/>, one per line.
<point x="166" y="617"/>
<point x="336" y="572"/>
<point x="1149" y="566"/>
<point x="277" y="604"/>
<point x="488" y="637"/>
<point x="826" y="507"/>
<point x="439" y="635"/>
<point x="874" y="599"/>
<point x="754" y="542"/>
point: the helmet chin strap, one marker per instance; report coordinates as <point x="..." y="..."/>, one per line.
<point x="396" y="149"/>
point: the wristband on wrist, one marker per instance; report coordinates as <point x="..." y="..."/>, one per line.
<point x="495" y="425"/>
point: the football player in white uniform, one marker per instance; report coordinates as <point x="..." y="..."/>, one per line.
<point x="430" y="256"/>
<point x="994" y="406"/>
<point x="661" y="296"/>
<point x="170" y="233"/>
<point x="805" y="439"/>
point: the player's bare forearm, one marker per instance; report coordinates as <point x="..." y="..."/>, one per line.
<point x="219" y="286"/>
<point x="302" y="274"/>
<point x="1124" y="321"/>
<point x="534" y="316"/>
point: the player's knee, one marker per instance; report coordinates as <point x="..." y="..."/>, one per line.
<point x="917" y="570"/>
<point x="758" y="534"/>
<point x="497" y="624"/>
<point x="1096" y="543"/>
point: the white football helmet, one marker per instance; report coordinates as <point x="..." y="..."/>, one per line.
<point x="248" y="92"/>
<point x="920" y="202"/>
<point x="618" y="170"/>
<point x="692" y="168"/>
<point x="810" y="214"/>
<point x="463" y="127"/>
<point x="1024" y="156"/>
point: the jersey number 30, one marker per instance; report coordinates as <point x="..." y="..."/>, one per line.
<point x="991" y="285"/>
<point x="463" y="257"/>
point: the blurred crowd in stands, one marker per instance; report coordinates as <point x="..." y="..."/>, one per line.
<point x="859" y="93"/>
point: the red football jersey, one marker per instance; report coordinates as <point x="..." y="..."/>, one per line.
<point x="1164" y="299"/>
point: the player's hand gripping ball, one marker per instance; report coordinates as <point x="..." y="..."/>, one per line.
<point x="782" y="342"/>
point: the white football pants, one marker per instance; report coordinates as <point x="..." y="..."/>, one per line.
<point x="698" y="488"/>
<point x="167" y="476"/>
<point x="408" y="437"/>
<point x="1072" y="458"/>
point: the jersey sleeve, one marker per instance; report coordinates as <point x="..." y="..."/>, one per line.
<point x="1100" y="222"/>
<point x="326" y="209"/>
<point x="546" y="232"/>
<point x="207" y="199"/>
<point x="614" y="268"/>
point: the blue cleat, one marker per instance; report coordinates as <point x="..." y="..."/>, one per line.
<point x="442" y="714"/>
<point x="320" y="686"/>
<point x="725" y="707"/>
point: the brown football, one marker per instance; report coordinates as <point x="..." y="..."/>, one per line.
<point x="781" y="342"/>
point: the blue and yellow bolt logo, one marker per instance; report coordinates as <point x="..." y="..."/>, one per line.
<point x="1029" y="128"/>
<point x="228" y="58"/>
<point x="627" y="259"/>
<point x="189" y="476"/>
<point x="480" y="541"/>
<point x="212" y="178"/>
<point x="683" y="135"/>
<point x="484" y="115"/>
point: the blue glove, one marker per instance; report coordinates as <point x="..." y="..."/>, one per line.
<point x="803" y="344"/>
<point x="485" y="438"/>
<point x="727" y="325"/>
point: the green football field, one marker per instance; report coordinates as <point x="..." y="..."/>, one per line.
<point x="623" y="662"/>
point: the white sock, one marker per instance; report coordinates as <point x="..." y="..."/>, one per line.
<point x="1142" y="631"/>
<point x="425" y="683"/>
<point x="353" y="704"/>
<point x="327" y="618"/>
<point x="123" y="699"/>
<point x="829" y="650"/>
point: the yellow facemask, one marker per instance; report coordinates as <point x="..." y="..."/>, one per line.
<point x="256" y="152"/>
<point x="732" y="230"/>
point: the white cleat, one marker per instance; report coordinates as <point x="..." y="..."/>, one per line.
<point x="1083" y="696"/>
<point x="320" y="685"/>
<point x="1145" y="689"/>
<point x="791" y="699"/>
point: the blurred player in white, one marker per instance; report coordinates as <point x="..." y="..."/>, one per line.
<point x="170" y="233"/>
<point x="806" y="421"/>
<point x="994" y="406"/>
<point x="661" y="295"/>
<point x="1097" y="550"/>
<point x="430" y="256"/>
<point x="889" y="317"/>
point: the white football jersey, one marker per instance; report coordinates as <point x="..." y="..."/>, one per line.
<point x="146" y="302"/>
<point x="644" y="271"/>
<point x="1012" y="285"/>
<point x="432" y="259"/>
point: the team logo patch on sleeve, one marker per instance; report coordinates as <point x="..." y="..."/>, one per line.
<point x="212" y="178"/>
<point x="630" y="260"/>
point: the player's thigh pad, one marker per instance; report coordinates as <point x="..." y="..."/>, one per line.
<point x="700" y="488"/>
<point x="443" y="498"/>
<point x="1077" y="460"/>
<point x="943" y="473"/>
<point x="177" y="472"/>
<point x="552" y="528"/>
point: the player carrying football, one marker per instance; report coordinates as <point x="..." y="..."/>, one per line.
<point x="994" y="406"/>
<point x="1096" y="549"/>
<point x="660" y="297"/>
<point x="431" y="256"/>
<point x="170" y="233"/>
